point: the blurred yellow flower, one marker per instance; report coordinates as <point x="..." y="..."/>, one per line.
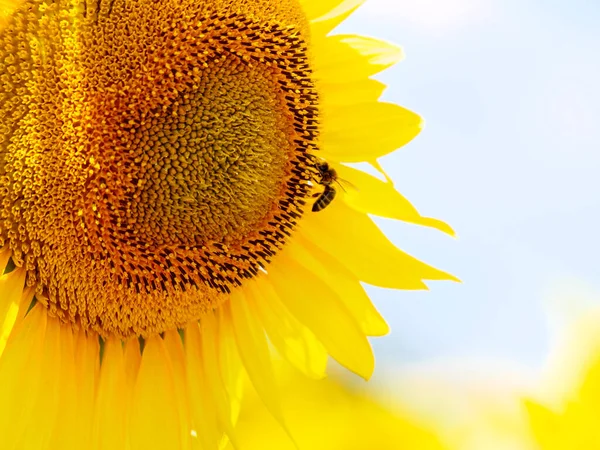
<point x="331" y="415"/>
<point x="568" y="415"/>
<point x="575" y="426"/>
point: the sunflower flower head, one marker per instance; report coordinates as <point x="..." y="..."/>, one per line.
<point x="170" y="207"/>
<point x="144" y="185"/>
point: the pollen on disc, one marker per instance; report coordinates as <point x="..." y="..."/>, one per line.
<point x="154" y="154"/>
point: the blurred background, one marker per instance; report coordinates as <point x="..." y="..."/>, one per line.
<point x="509" y="157"/>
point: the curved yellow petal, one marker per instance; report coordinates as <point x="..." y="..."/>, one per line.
<point x="254" y="351"/>
<point x="214" y="380"/>
<point x="318" y="307"/>
<point x="25" y="303"/>
<point x="334" y="95"/>
<point x="346" y="58"/>
<point x="37" y="434"/>
<point x="155" y="413"/>
<point x="176" y="353"/>
<point x="63" y="435"/>
<point x="292" y="340"/>
<point x="87" y="370"/>
<point x="358" y="244"/>
<point x="317" y="8"/>
<point x="20" y="369"/>
<point x="11" y="287"/>
<point x="111" y="414"/>
<point x="367" y="131"/>
<point x="337" y="11"/>
<point x="205" y="424"/>
<point x="5" y="253"/>
<point x="230" y="364"/>
<point x="370" y="195"/>
<point x="343" y="283"/>
<point x="132" y="360"/>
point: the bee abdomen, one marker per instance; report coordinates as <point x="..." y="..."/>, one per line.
<point x="324" y="199"/>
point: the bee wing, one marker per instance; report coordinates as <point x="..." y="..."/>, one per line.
<point x="341" y="182"/>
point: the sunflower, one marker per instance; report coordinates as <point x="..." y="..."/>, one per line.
<point x="168" y="178"/>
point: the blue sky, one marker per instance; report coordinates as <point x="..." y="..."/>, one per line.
<point x="510" y="157"/>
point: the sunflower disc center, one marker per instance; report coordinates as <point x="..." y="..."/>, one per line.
<point x="153" y="156"/>
<point x="210" y="167"/>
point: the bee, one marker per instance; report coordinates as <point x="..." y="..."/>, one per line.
<point x="328" y="176"/>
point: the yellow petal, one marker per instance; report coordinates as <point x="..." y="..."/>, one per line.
<point x="343" y="283"/>
<point x="346" y="58"/>
<point x="87" y="370"/>
<point x="336" y="13"/>
<point x="64" y="435"/>
<point x="370" y="195"/>
<point x="358" y="244"/>
<point x="20" y="369"/>
<point x="25" y="303"/>
<point x="213" y="378"/>
<point x="177" y="355"/>
<point x="132" y="361"/>
<point x="335" y="95"/>
<point x="16" y="312"/>
<point x="317" y="8"/>
<point x="318" y="307"/>
<point x="111" y="413"/>
<point x="155" y="416"/>
<point x="37" y="433"/>
<point x="230" y="364"/>
<point x="366" y="131"/>
<point x="5" y="252"/>
<point x="204" y="420"/>
<point x="254" y="351"/>
<point x="11" y="318"/>
<point x="293" y="341"/>
<point x="11" y="292"/>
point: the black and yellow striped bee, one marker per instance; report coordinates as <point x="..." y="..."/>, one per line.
<point x="327" y="176"/>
